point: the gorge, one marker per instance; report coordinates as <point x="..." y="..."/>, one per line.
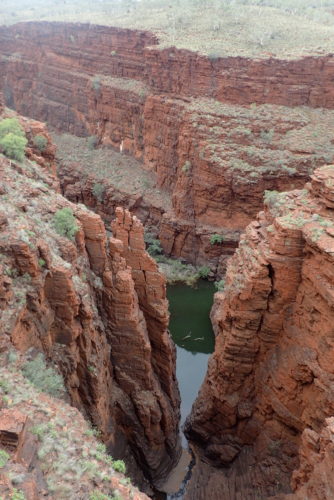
<point x="209" y="131"/>
<point x="186" y="146"/>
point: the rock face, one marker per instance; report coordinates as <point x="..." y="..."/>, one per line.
<point x="269" y="382"/>
<point x="96" y="306"/>
<point x="132" y="54"/>
<point x="214" y="161"/>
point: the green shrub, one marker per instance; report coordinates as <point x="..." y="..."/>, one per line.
<point x="213" y="56"/>
<point x="186" y="167"/>
<point x="96" y="84"/>
<point x="119" y="466"/>
<point x="101" y="448"/>
<point x="11" y="126"/>
<point x="40" y="142"/>
<point x="220" y="285"/>
<point x="65" y="223"/>
<point x="4" y="457"/>
<point x="43" y="378"/>
<point x="12" y="357"/>
<point x="176" y="271"/>
<point x="17" y="495"/>
<point x="92" y="142"/>
<point x="204" y="271"/>
<point x="271" y="198"/>
<point x="13" y="146"/>
<point x="154" y="248"/>
<point x="98" y="191"/>
<point x="98" y="495"/>
<point x="216" y="239"/>
<point x="267" y="135"/>
<point x="153" y="244"/>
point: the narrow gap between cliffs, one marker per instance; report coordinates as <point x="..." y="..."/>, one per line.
<point x="191" y="330"/>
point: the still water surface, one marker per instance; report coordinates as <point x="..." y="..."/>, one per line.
<point x="191" y="329"/>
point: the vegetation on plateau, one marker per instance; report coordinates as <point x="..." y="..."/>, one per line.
<point x="252" y="28"/>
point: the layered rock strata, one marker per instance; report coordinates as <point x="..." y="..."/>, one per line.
<point x="269" y="384"/>
<point x="96" y="306"/>
<point x="213" y="161"/>
<point x="133" y="54"/>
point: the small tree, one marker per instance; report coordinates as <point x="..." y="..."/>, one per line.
<point x="13" y="146"/>
<point x="65" y="223"/>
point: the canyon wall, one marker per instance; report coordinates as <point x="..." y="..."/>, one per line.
<point x="269" y="386"/>
<point x="134" y="54"/>
<point x="95" y="305"/>
<point x="164" y="108"/>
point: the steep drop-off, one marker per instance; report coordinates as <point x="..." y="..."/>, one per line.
<point x="164" y="107"/>
<point x="267" y="402"/>
<point x="96" y="306"/>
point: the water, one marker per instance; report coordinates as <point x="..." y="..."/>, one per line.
<point x="191" y="329"/>
<point x="192" y="333"/>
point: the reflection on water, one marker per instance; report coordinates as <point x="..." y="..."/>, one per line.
<point x="190" y="324"/>
<point x="192" y="333"/>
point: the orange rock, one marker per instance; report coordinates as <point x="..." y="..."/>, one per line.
<point x="151" y="118"/>
<point x="268" y="383"/>
<point x="83" y="305"/>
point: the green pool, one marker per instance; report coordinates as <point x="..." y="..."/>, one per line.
<point x="192" y="333"/>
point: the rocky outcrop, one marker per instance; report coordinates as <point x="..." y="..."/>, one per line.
<point x="96" y="306"/>
<point x="269" y="382"/>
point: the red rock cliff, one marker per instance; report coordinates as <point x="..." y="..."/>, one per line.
<point x="269" y="384"/>
<point x="162" y="107"/>
<point x="96" y="306"/>
<point x="132" y="53"/>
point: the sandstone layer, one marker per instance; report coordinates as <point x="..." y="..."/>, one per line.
<point x="269" y="386"/>
<point x="96" y="306"/>
<point x="164" y="108"/>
